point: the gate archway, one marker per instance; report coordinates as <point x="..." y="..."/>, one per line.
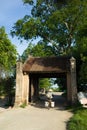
<point x="28" y="74"/>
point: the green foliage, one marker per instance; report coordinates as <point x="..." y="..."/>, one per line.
<point x="60" y="24"/>
<point x="7" y="53"/>
<point x="56" y="89"/>
<point x="9" y="86"/>
<point x="44" y="83"/>
<point x="27" y="52"/>
<point x="78" y="121"/>
<point x="28" y="1"/>
<point x="38" y="50"/>
<point x="8" y="56"/>
<point x="2" y="84"/>
<point x="80" y="52"/>
<point x="61" y="83"/>
<point x="83" y="73"/>
<point x="23" y="105"/>
<point x="7" y="90"/>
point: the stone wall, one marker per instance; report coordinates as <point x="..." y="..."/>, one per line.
<point x="22" y="86"/>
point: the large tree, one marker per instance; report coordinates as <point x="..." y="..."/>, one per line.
<point x="45" y="83"/>
<point x="81" y="53"/>
<point x="8" y="56"/>
<point x="8" y="53"/>
<point x="38" y="50"/>
<point x="60" y="24"/>
<point x="53" y="22"/>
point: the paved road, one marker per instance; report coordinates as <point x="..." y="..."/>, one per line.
<point x="34" y="118"/>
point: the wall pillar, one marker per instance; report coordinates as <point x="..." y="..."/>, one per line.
<point x="22" y="86"/>
<point x="19" y="82"/>
<point x="33" y="89"/>
<point x="69" y="87"/>
<point x="73" y="80"/>
<point x="29" y="89"/>
<point x="36" y="88"/>
<point x="25" y="89"/>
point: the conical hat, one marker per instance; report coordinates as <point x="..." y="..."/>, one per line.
<point x="50" y="90"/>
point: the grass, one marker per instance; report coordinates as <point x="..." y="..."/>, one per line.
<point x="23" y="105"/>
<point x="79" y="119"/>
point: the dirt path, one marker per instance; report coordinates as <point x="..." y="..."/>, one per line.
<point x="34" y="118"/>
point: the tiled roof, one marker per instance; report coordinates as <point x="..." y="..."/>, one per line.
<point x="46" y="64"/>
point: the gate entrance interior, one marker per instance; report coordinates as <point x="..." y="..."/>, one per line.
<point x="28" y="74"/>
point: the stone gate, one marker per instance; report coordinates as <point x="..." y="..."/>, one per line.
<point x="28" y="74"/>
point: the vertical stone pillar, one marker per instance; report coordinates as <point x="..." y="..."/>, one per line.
<point x="19" y="82"/>
<point x="69" y="99"/>
<point x="73" y="80"/>
<point x="31" y="88"/>
<point x="25" y="88"/>
<point x="34" y="90"/>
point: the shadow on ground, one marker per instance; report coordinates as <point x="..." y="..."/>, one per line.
<point x="3" y="103"/>
<point x="59" y="100"/>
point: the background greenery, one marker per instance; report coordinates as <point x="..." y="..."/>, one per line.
<point x="60" y="28"/>
<point x="8" y="54"/>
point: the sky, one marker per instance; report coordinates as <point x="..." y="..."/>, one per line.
<point x="10" y="12"/>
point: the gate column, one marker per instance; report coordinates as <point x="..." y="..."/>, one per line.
<point x="22" y="86"/>
<point x="73" y="80"/>
<point x="69" y="99"/>
<point x="25" y="88"/>
<point x="34" y="90"/>
<point x="19" y="83"/>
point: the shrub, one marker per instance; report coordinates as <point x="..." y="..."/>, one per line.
<point x="79" y="120"/>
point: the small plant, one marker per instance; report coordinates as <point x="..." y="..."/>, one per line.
<point x="23" y="105"/>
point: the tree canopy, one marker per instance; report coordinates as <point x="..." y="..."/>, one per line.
<point x="38" y="50"/>
<point x="8" y="53"/>
<point x="53" y="22"/>
<point x="45" y="83"/>
<point x="8" y="56"/>
<point x="60" y="24"/>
